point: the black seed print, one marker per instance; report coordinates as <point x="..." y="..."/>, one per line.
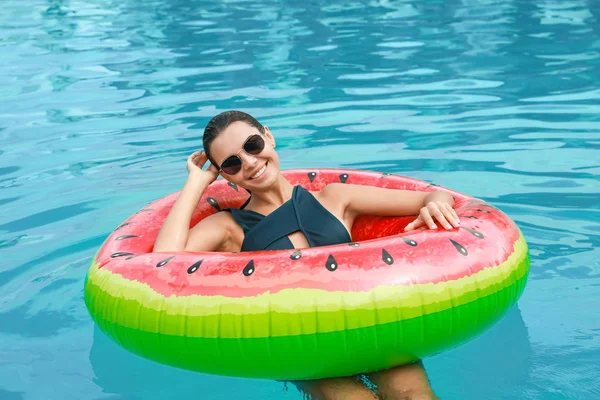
<point x="311" y="176"/>
<point x="460" y="248"/>
<point x="343" y="178"/>
<point x="122" y="226"/>
<point x="163" y="262"/>
<point x="483" y="211"/>
<point x="385" y="174"/>
<point x="131" y="257"/>
<point x="195" y="267"/>
<point x="473" y="232"/>
<point x="234" y="186"/>
<point x="409" y="241"/>
<point x="386" y="257"/>
<point x="469" y="216"/>
<point x="296" y="255"/>
<point x="331" y="264"/>
<point x="249" y="268"/>
<point x="121" y="254"/>
<point x="432" y="184"/>
<point x="126" y="237"/>
<point x="354" y="244"/>
<point x="213" y="203"/>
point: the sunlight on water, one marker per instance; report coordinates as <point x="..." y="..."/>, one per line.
<point x="101" y="102"/>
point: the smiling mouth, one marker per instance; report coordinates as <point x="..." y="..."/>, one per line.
<point x="259" y="172"/>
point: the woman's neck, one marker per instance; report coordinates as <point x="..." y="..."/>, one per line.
<point x="272" y="197"/>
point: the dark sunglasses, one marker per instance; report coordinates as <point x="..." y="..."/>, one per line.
<point x="253" y="146"/>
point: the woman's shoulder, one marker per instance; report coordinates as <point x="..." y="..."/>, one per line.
<point x="333" y="193"/>
<point x="222" y="219"/>
<point x="331" y="190"/>
<point x="222" y="224"/>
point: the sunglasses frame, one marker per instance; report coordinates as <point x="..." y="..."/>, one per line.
<point x="244" y="150"/>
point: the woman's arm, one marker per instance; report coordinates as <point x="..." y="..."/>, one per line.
<point x="429" y="206"/>
<point x="173" y="235"/>
<point x="175" y="231"/>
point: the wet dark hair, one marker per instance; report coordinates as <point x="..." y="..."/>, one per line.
<point x="220" y="122"/>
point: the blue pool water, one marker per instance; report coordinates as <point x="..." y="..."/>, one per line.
<point x="101" y="101"/>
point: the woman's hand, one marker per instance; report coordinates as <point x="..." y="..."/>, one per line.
<point x="196" y="162"/>
<point x="435" y="210"/>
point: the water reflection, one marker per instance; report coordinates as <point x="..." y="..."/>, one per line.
<point x="122" y="373"/>
<point x="103" y="100"/>
<point x="500" y="361"/>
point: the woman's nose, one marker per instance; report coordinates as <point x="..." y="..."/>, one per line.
<point x="248" y="160"/>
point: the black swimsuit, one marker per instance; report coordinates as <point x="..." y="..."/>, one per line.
<point x="302" y="212"/>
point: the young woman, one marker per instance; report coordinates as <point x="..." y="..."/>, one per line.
<point x="243" y="151"/>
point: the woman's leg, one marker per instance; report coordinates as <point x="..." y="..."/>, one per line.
<point x="346" y="388"/>
<point x="406" y="382"/>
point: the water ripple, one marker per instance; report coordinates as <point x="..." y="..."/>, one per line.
<point x="102" y="101"/>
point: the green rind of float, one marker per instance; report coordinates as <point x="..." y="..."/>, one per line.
<point x="328" y="354"/>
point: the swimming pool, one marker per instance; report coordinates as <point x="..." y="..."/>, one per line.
<point x="101" y="102"/>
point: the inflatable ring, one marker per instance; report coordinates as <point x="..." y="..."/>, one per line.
<point x="386" y="299"/>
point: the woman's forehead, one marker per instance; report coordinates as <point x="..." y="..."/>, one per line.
<point x="232" y="138"/>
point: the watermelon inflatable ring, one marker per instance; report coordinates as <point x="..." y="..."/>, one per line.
<point x="386" y="299"/>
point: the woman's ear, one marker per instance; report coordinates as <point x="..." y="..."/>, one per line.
<point x="269" y="136"/>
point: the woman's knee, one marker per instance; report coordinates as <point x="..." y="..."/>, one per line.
<point x="408" y="382"/>
<point x="346" y="388"/>
<point x="408" y="395"/>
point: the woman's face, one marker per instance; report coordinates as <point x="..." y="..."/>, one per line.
<point x="258" y="171"/>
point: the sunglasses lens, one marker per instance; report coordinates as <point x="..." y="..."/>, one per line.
<point x="254" y="145"/>
<point x="232" y="165"/>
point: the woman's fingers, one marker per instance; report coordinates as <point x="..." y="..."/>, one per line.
<point x="413" y="225"/>
<point x="432" y="212"/>
<point x="444" y="214"/>
<point x="197" y="153"/>
<point x="198" y="158"/>
<point x="212" y="168"/>
<point x="439" y="216"/>
<point x="425" y="216"/>
<point x="196" y="161"/>
<point x="450" y="215"/>
<point x="194" y="156"/>
<point x="454" y="213"/>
